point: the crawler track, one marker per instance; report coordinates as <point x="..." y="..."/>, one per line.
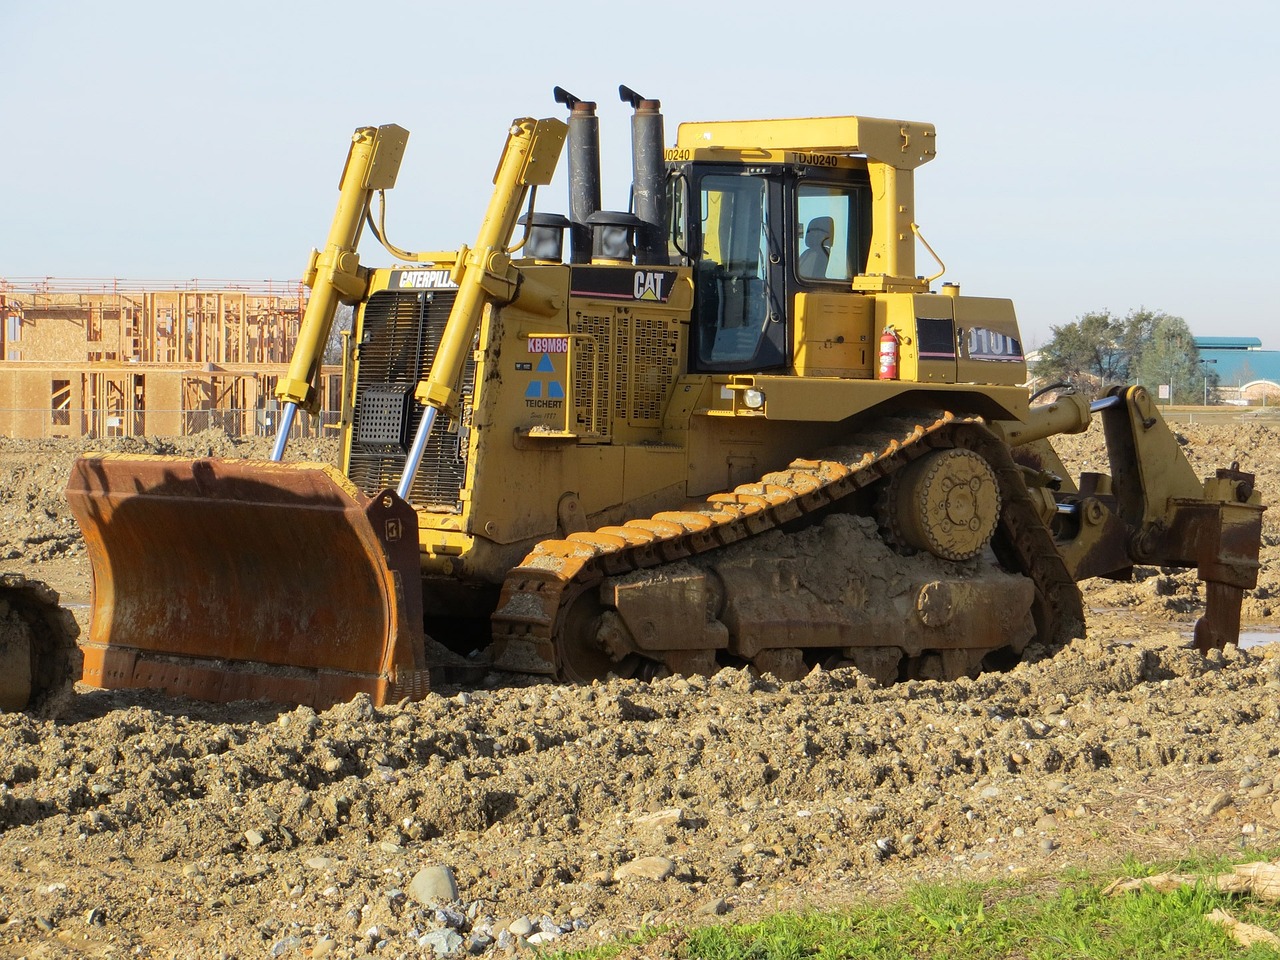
<point x="532" y="611"/>
<point x="38" y="653"/>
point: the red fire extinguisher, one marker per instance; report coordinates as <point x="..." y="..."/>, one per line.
<point x="888" y="369"/>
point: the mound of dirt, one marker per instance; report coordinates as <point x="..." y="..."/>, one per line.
<point x="518" y="812"/>
<point x="163" y="828"/>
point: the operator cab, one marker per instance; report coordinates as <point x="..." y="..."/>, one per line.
<point x="756" y="236"/>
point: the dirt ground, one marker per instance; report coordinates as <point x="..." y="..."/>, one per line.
<point x="518" y="814"/>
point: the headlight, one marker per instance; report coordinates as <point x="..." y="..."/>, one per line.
<point x="753" y="398"/>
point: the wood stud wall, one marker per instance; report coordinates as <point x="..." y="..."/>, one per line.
<point x="126" y="359"/>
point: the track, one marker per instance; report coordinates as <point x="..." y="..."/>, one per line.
<point x="38" y="653"/>
<point x="536" y="611"/>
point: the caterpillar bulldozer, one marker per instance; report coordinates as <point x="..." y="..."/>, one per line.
<point x="730" y="425"/>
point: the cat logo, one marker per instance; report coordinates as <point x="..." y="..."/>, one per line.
<point x="649" y="284"/>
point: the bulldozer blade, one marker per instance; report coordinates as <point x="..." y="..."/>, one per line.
<point x="235" y="579"/>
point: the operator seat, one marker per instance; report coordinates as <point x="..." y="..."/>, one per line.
<point x="817" y="242"/>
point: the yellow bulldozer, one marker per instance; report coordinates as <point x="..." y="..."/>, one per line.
<point x="730" y="425"/>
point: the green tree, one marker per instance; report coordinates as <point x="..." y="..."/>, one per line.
<point x="1100" y="350"/>
<point x="1139" y="328"/>
<point x="1169" y="356"/>
<point x="1084" y="353"/>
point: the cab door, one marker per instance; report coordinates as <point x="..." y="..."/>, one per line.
<point x="739" y="301"/>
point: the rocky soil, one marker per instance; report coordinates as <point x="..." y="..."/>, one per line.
<point x="517" y="814"/>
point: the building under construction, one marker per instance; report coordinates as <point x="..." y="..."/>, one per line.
<point x="92" y="358"/>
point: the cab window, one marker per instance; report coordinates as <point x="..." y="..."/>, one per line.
<point x="828" y="234"/>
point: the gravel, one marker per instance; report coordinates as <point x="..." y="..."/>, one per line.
<point x="520" y="813"/>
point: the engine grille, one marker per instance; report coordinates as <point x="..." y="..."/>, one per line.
<point x="593" y="364"/>
<point x="399" y="338"/>
<point x="632" y="361"/>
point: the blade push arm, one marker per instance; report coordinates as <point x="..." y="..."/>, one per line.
<point x="529" y="159"/>
<point x="1153" y="509"/>
<point x="334" y="274"/>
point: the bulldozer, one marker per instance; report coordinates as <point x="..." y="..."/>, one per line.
<point x="730" y="425"/>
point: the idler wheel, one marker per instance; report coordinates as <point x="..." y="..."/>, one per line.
<point x="947" y="502"/>
<point x="586" y="645"/>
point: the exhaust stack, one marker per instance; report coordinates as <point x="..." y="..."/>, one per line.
<point x="649" y="176"/>
<point x="584" y="171"/>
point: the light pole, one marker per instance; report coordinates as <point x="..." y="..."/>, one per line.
<point x="1206" y="381"/>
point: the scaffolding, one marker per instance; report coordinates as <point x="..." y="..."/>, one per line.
<point x="93" y="358"/>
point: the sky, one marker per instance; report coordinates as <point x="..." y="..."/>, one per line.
<point x="1091" y="156"/>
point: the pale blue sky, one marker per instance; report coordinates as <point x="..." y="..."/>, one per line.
<point x="1090" y="155"/>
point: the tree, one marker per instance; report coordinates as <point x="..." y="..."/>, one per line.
<point x="1169" y="355"/>
<point x="1149" y="347"/>
<point x="1082" y="352"/>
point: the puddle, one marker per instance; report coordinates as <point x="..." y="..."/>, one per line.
<point x="1257" y="638"/>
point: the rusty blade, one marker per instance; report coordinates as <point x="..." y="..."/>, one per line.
<point x="238" y="579"/>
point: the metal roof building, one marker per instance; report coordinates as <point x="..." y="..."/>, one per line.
<point x="1241" y="363"/>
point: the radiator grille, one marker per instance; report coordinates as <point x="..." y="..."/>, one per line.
<point x="632" y="361"/>
<point x="642" y="391"/>
<point x="399" y="338"/>
<point x="593" y="360"/>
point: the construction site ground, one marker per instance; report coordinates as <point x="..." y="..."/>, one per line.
<point x="516" y="814"/>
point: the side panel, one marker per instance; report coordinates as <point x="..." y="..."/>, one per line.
<point x="833" y="335"/>
<point x="990" y="344"/>
<point x="925" y="326"/>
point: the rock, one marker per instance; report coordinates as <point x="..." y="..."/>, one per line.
<point x="521" y="927"/>
<point x="287" y="945"/>
<point x="450" y="918"/>
<point x="646" y="868"/>
<point x="434" y="884"/>
<point x="443" y="943"/>
<point x="1220" y="801"/>
<point x="659" y="820"/>
<point x="1048" y="845"/>
<point x="254" y="838"/>
<point x="323" y="948"/>
<point x="323" y="863"/>
<point x="479" y="942"/>
<point x="712" y="908"/>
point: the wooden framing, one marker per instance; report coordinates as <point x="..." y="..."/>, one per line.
<point x="132" y="358"/>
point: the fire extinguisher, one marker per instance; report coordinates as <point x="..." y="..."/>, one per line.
<point x="888" y="369"/>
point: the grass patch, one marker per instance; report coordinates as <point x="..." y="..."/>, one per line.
<point x="999" y="921"/>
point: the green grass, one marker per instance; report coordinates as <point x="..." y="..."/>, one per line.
<point x="993" y="921"/>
